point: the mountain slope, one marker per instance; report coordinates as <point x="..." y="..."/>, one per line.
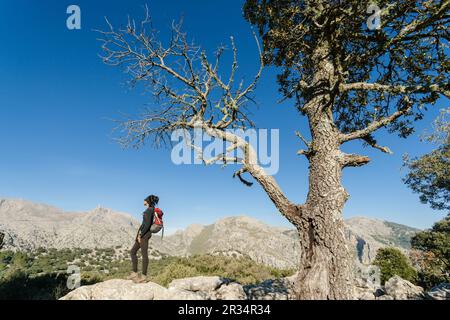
<point x="29" y="226"/>
<point x="235" y="236"/>
<point x="279" y="247"/>
<point x="368" y="235"/>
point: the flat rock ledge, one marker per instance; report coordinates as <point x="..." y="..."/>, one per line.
<point x="197" y="288"/>
<point x="217" y="288"/>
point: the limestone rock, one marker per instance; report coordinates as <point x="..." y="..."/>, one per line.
<point x="197" y="283"/>
<point x="439" y="292"/>
<point x="118" y="289"/>
<point x="232" y="291"/>
<point x="401" y="289"/>
<point x="181" y="294"/>
<point x="364" y="294"/>
<point x="197" y="288"/>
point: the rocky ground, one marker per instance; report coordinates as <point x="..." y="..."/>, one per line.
<point x="216" y="288"/>
<point x="397" y="288"/>
<point x="197" y="288"/>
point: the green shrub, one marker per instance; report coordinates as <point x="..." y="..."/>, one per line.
<point x="243" y="269"/>
<point x="393" y="262"/>
<point x="174" y="271"/>
<point x="431" y="253"/>
<point x="44" y="277"/>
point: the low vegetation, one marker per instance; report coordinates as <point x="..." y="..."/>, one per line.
<point x="43" y="274"/>
<point x="431" y="254"/>
<point x="393" y="262"/>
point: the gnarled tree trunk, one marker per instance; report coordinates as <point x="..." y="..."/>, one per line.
<point x="325" y="263"/>
<point x="325" y="268"/>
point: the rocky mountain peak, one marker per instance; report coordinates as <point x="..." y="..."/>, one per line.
<point x="29" y="226"/>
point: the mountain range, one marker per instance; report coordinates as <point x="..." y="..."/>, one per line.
<point x="28" y="226"/>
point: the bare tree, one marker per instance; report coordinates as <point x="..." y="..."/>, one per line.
<point x="190" y="93"/>
<point x="349" y="81"/>
<point x="350" y="74"/>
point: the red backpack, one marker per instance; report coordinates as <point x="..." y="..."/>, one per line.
<point x="157" y="222"/>
<point x="158" y="217"/>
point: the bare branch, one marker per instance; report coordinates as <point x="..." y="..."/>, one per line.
<point x="371" y="142"/>
<point x="306" y="142"/>
<point x="239" y="175"/>
<point x="419" y="24"/>
<point x="398" y="89"/>
<point x="190" y="93"/>
<point x="375" y="125"/>
<point x="184" y="84"/>
<point x="353" y="160"/>
<point x="250" y="165"/>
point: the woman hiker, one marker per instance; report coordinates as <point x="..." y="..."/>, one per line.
<point x="143" y="236"/>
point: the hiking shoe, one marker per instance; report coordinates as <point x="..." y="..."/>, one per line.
<point x="133" y="276"/>
<point x="140" y="279"/>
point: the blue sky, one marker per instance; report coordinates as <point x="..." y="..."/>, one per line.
<point x="57" y="99"/>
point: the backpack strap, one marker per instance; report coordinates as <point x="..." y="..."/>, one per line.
<point x="158" y="219"/>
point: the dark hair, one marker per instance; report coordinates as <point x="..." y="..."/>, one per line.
<point x="152" y="200"/>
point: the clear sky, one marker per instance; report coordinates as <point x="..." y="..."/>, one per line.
<point x="57" y="99"/>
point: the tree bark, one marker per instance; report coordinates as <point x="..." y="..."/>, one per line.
<point x="325" y="269"/>
<point x="325" y="263"/>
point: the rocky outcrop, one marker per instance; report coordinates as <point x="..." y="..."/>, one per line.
<point x="231" y="291"/>
<point x="366" y="292"/>
<point x="439" y="292"/>
<point x="197" y="288"/>
<point x="209" y="288"/>
<point x="395" y="288"/>
<point x="217" y="288"/>
<point x="401" y="289"/>
<point x="117" y="289"/>
<point x="208" y="284"/>
<point x="366" y="288"/>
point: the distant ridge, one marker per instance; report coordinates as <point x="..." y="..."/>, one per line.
<point x="28" y="226"/>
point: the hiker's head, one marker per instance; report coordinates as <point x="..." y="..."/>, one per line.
<point x="151" y="201"/>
